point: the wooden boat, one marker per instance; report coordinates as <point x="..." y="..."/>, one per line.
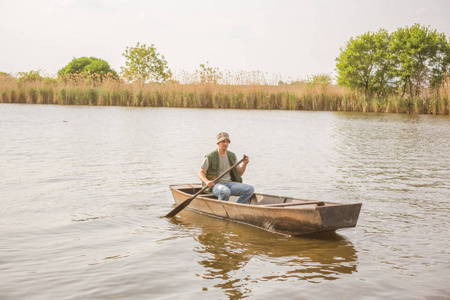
<point x="274" y="213"/>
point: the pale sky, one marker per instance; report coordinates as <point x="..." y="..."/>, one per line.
<point x="293" y="39"/>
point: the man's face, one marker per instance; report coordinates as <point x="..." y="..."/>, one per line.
<point x="223" y="145"/>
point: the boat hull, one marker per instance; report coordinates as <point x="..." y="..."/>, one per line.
<point x="277" y="214"/>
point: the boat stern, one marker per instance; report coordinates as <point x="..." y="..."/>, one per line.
<point x="340" y="216"/>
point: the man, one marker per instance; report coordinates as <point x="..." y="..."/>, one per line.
<point x="217" y="162"/>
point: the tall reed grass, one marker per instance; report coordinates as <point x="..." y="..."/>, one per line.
<point x="238" y="92"/>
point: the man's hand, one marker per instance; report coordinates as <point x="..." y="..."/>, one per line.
<point x="202" y="176"/>
<point x="242" y="168"/>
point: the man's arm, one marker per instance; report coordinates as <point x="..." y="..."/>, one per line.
<point x="242" y="168"/>
<point x="202" y="176"/>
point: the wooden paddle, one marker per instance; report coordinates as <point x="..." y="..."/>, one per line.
<point x="186" y="202"/>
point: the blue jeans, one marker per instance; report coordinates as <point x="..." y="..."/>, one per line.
<point x="223" y="191"/>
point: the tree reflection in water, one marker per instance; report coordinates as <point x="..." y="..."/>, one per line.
<point x="237" y="255"/>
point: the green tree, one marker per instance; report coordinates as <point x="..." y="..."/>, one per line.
<point x="88" y="67"/>
<point x="322" y="80"/>
<point x="365" y="63"/>
<point x="144" y="64"/>
<point x="6" y="76"/>
<point x="421" y="57"/>
<point x="29" y="76"/>
<point x="208" y="74"/>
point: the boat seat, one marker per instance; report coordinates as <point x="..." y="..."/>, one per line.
<point x="207" y="196"/>
<point x="265" y="200"/>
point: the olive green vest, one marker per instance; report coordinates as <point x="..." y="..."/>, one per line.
<point x="213" y="169"/>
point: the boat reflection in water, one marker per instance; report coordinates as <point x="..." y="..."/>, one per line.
<point x="235" y="255"/>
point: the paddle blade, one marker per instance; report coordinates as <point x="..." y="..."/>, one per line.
<point x="179" y="208"/>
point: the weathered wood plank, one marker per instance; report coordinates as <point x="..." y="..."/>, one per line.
<point x="319" y="203"/>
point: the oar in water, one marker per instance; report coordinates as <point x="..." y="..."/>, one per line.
<point x="186" y="202"/>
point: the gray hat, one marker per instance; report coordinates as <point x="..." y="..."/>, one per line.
<point x="222" y="137"/>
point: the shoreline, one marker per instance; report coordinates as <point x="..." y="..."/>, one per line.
<point x="265" y="97"/>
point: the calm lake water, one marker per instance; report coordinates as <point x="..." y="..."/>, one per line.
<point x="83" y="191"/>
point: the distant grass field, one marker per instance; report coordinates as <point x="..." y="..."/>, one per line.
<point x="208" y="95"/>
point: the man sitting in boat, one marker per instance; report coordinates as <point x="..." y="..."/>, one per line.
<point x="217" y="162"/>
